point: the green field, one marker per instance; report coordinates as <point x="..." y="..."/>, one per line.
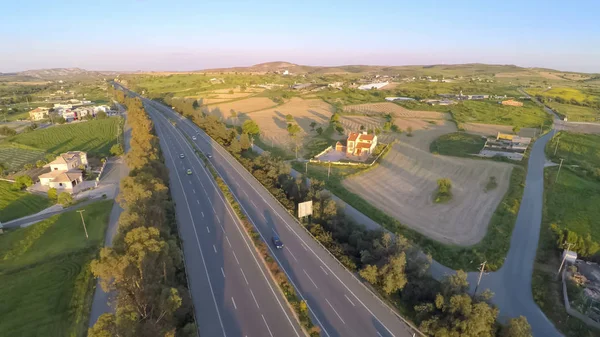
<point x="47" y="285"/>
<point x="565" y="93"/>
<point x="95" y="137"/>
<point x="14" y="157"/>
<point x="530" y="115"/>
<point x="17" y="204"/>
<point x="575" y="113"/>
<point x="458" y="144"/>
<point x="575" y="149"/>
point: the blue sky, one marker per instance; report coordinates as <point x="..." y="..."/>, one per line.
<point x="191" y="35"/>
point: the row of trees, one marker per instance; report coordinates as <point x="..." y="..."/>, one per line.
<point x="145" y="266"/>
<point x="390" y="263"/>
<point x="572" y="101"/>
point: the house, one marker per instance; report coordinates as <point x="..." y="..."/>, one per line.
<point x="285" y="72"/>
<point x="336" y="85"/>
<point x="507" y="142"/>
<point x="62" y="106"/>
<point x="68" y="114"/>
<point x="359" y="144"/>
<point x="512" y="103"/>
<point x="38" y="114"/>
<point x="373" y="86"/>
<point x="65" y="171"/>
<point x="215" y="80"/>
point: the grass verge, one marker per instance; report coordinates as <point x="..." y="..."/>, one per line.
<point x="47" y="285"/>
<point x="17" y="204"/>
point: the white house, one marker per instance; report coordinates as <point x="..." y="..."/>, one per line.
<point x="68" y="114"/>
<point x="64" y="171"/>
<point x="102" y="108"/>
<point x="38" y="114"/>
<point x="373" y="86"/>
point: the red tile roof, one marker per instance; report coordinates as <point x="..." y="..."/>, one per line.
<point x="352" y="136"/>
<point x="363" y="145"/>
<point x="366" y="137"/>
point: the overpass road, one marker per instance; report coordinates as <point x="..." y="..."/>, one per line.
<point x="231" y="289"/>
<point x="338" y="302"/>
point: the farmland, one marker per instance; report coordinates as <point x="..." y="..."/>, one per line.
<point x="383" y="108"/>
<point x="575" y="113"/>
<point x="243" y="106"/>
<point x="47" y="285"/>
<point x="576" y="149"/>
<point x="17" y="204"/>
<point x="493" y="129"/>
<point x="490" y="112"/>
<point x="94" y="136"/>
<point x="566" y="94"/>
<point x="14" y="157"/>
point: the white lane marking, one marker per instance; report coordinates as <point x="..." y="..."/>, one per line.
<point x="270" y="333"/>
<point x="323" y="269"/>
<point x="202" y="214"/>
<point x="236" y="259"/>
<point x="289" y="251"/>
<point x="215" y="248"/>
<point x="254" y="297"/>
<point x="253" y="204"/>
<point x="223" y="272"/>
<point x="232" y="300"/>
<point x="332" y="308"/>
<point x="193" y="190"/>
<point x="198" y="202"/>
<point x="213" y="207"/>
<point x="210" y="202"/>
<point x="311" y="280"/>
<point x="238" y="226"/>
<point x="229" y="242"/>
<point x="207" y="229"/>
<point x="304" y="246"/>
<point x="189" y="181"/>
<point x="349" y="300"/>
<point x="218" y="220"/>
<point x="246" y="194"/>
<point x="199" y="247"/>
<point x="288" y="227"/>
<point x="245" y="279"/>
<point x="378" y="334"/>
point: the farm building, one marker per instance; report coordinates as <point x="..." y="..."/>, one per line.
<point x="38" y="114"/>
<point x="358" y="144"/>
<point x="64" y="171"/>
<point x="512" y="103"/>
<point x="506" y="142"/>
<point x="373" y="86"/>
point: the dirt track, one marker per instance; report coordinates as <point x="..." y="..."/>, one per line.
<point x="404" y="183"/>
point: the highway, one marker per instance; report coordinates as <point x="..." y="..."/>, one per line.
<point x="338" y="302"/>
<point x="232" y="292"/>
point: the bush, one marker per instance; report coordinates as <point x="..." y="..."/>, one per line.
<point x="22" y="182"/>
<point x="52" y="194"/>
<point x="61" y="120"/>
<point x="6" y="131"/>
<point x="444" y="191"/>
<point x="116" y="150"/>
<point x="65" y="198"/>
<point x="101" y="115"/>
<point x="40" y="163"/>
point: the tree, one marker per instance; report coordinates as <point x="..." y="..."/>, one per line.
<point x="339" y="129"/>
<point x="116" y="150"/>
<point x="231" y="91"/>
<point x="61" y="120"/>
<point x="105" y="326"/>
<point x="335" y="118"/>
<point x="313" y="124"/>
<point x="289" y="118"/>
<point x="392" y="273"/>
<point x="369" y="273"/>
<point x="245" y="142"/>
<point x="52" y="195"/>
<point x="235" y="147"/>
<point x="22" y="182"/>
<point x="293" y="129"/>
<point x="101" y="115"/>
<point x="362" y="128"/>
<point x="40" y="163"/>
<point x="65" y="198"/>
<point x="250" y="127"/>
<point x="409" y="130"/>
<point x="517" y="327"/>
<point x="233" y="113"/>
<point x="28" y="166"/>
<point x="516" y="129"/>
<point x="319" y="130"/>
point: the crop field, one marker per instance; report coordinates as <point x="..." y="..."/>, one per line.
<point x="353" y="123"/>
<point x="15" y="157"/>
<point x="493" y="129"/>
<point x="576" y="113"/>
<point x="576" y="149"/>
<point x="406" y="180"/>
<point x="17" y="204"/>
<point x="244" y="106"/>
<point x="530" y="115"/>
<point x="47" y="285"/>
<point x="393" y="109"/>
<point x="95" y="137"/>
<point x="565" y="93"/>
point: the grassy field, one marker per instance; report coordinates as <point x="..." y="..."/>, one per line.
<point x="490" y="112"/>
<point x="95" y="137"/>
<point x="47" y="285"/>
<point x="458" y="144"/>
<point x="575" y="149"/>
<point x="17" y="204"/>
<point x="575" y="113"/>
<point x="562" y="92"/>
<point x="14" y="157"/>
<point x="493" y="247"/>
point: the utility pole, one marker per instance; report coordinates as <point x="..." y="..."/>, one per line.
<point x="564" y="258"/>
<point x="561" y="161"/>
<point x="556" y="148"/>
<point x="480" y="275"/>
<point x="306" y="169"/>
<point x="329" y="171"/>
<point x="83" y="222"/>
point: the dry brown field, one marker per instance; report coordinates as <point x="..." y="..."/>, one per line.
<point x="404" y="183"/>
<point x="493" y="129"/>
<point x="394" y="109"/>
<point x="244" y="105"/>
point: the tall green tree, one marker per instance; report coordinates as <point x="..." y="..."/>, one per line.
<point x="517" y="327"/>
<point x="250" y="127"/>
<point x="245" y="142"/>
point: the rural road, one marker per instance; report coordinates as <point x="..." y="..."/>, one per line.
<point x="338" y="303"/>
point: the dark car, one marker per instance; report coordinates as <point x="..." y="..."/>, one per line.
<point x="277" y="242"/>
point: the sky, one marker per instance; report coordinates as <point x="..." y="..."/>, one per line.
<point x="181" y="35"/>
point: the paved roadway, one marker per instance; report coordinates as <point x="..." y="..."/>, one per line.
<point x="338" y="302"/>
<point x="232" y="292"/>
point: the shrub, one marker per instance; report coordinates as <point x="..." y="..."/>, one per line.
<point x="52" y="194"/>
<point x="101" y="115"/>
<point x="65" y="198"/>
<point x="444" y="191"/>
<point x="116" y="150"/>
<point x="40" y="163"/>
<point x="22" y="181"/>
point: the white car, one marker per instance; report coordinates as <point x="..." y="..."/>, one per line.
<point x="193" y="137"/>
<point x="182" y="156"/>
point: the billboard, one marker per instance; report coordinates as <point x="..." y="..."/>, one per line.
<point x="305" y="209"/>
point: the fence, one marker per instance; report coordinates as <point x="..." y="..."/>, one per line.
<point x="572" y="311"/>
<point x="349" y="162"/>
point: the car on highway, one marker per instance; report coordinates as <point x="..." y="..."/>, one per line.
<point x="193" y="137"/>
<point x="182" y="156"/>
<point x="209" y="156"/>
<point x="189" y="172"/>
<point x="277" y="242"/>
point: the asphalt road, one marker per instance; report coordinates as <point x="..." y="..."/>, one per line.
<point x="232" y="291"/>
<point x="338" y="302"/>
